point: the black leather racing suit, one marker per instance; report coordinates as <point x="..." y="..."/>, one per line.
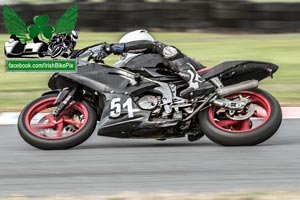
<point x="183" y="65"/>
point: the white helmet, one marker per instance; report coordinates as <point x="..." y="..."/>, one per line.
<point x="74" y="35"/>
<point x="137" y="35"/>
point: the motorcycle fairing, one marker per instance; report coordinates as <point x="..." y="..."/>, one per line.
<point x="120" y="84"/>
<point x="103" y="79"/>
<point x="119" y="119"/>
<point x="151" y="60"/>
<point x="144" y="61"/>
<point x="14" y="48"/>
<point x="153" y="66"/>
<point x="232" y="72"/>
<point x="120" y="126"/>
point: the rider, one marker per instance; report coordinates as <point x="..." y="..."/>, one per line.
<point x="69" y="41"/>
<point x="140" y="41"/>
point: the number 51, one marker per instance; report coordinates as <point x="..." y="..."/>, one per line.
<point x="116" y="107"/>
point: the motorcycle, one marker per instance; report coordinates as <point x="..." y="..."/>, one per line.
<point x="14" y="48"/>
<point x="138" y="98"/>
<point x="60" y="45"/>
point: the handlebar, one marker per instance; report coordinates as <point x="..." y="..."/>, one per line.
<point x="94" y="52"/>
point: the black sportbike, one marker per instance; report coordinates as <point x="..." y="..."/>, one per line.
<point x="138" y="98"/>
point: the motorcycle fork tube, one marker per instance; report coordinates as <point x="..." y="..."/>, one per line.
<point x="199" y="108"/>
<point x="62" y="105"/>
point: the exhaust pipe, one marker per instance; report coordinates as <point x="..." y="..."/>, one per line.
<point x="231" y="89"/>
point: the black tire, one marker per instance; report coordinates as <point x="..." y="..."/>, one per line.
<point x="64" y="143"/>
<point x="57" y="51"/>
<point x="247" y="138"/>
<point x="41" y="54"/>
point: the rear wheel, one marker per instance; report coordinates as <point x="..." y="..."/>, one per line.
<point x="255" y="124"/>
<point x="41" y="129"/>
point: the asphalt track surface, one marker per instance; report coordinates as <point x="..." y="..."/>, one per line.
<point x="107" y="166"/>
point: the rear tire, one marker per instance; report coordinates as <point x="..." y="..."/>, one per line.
<point x="41" y="141"/>
<point x="210" y="125"/>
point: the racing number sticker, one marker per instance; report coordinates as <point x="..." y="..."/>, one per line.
<point x="116" y="107"/>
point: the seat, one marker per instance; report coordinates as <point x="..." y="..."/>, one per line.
<point x="208" y="73"/>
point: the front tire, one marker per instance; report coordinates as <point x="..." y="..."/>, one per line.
<point x="57" y="51"/>
<point x="262" y="125"/>
<point x="39" y="128"/>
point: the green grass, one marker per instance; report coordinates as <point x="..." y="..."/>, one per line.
<point x="17" y="89"/>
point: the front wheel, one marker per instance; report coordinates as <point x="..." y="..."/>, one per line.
<point x="41" y="129"/>
<point x="57" y="51"/>
<point x="255" y="124"/>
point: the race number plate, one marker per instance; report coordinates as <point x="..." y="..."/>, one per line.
<point x="116" y="107"/>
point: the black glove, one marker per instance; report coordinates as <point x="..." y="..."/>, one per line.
<point x="106" y="49"/>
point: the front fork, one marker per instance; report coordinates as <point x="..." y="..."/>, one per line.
<point x="65" y="94"/>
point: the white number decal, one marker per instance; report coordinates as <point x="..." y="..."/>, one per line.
<point x="116" y="107"/>
<point x="128" y="105"/>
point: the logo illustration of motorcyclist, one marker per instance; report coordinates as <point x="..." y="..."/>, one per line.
<point x="40" y="38"/>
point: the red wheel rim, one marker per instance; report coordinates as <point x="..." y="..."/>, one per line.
<point x="69" y="122"/>
<point x="261" y="115"/>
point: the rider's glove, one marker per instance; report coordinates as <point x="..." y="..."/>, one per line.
<point x="107" y="49"/>
<point x="117" y="48"/>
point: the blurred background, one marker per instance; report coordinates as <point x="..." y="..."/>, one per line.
<point x="212" y="31"/>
